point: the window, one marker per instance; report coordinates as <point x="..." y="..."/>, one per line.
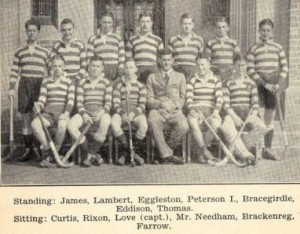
<point x="45" y="11"/>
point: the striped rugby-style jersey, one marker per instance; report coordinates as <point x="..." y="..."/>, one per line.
<point x="61" y="92"/>
<point x="186" y="53"/>
<point x="204" y="93"/>
<point x="94" y="96"/>
<point x="112" y="50"/>
<point x="137" y="98"/>
<point x="221" y="52"/>
<point x="237" y="93"/>
<point x="74" y="56"/>
<point x="143" y="49"/>
<point x="31" y="64"/>
<point x="266" y="57"/>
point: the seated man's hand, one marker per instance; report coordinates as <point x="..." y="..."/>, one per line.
<point x="11" y="94"/>
<point x="169" y="106"/>
<point x="97" y="115"/>
<point x="164" y="113"/>
<point x="131" y="116"/>
<point x="87" y="119"/>
<point x="238" y="121"/>
<point x="194" y="113"/>
<point x="215" y="114"/>
<point x="36" y="108"/>
<point x="64" y="116"/>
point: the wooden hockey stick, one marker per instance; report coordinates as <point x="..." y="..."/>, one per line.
<point x="223" y="146"/>
<point x="76" y="143"/>
<point x="283" y="131"/>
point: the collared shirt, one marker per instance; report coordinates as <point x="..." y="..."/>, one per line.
<point x="110" y="48"/>
<point x="266" y="57"/>
<point x="163" y="73"/>
<point x="137" y="97"/>
<point x="57" y="92"/>
<point x="94" y="95"/>
<point x="240" y="92"/>
<point x="143" y="49"/>
<point x="221" y="51"/>
<point x="29" y="63"/>
<point x="204" y="92"/>
<point x="185" y="53"/>
<point x="74" y="55"/>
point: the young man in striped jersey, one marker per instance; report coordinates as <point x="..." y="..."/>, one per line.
<point x="221" y="51"/>
<point x="240" y="97"/>
<point x="267" y="66"/>
<point x="109" y="46"/>
<point x="30" y="63"/>
<point x="94" y="97"/>
<point x="55" y="103"/>
<point x="72" y="50"/>
<point x="143" y="48"/>
<point x="186" y="47"/>
<point x="129" y="88"/>
<point x="204" y="95"/>
<point x="165" y="99"/>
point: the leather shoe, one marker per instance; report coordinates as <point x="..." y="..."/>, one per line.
<point x="172" y="160"/>
<point x="97" y="159"/>
<point x="88" y="161"/>
<point x="267" y="154"/>
<point x="138" y="159"/>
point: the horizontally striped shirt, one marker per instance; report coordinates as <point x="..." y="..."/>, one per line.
<point x="186" y="53"/>
<point x="221" y="52"/>
<point x="31" y="64"/>
<point x="204" y="93"/>
<point x="92" y="96"/>
<point x="74" y="55"/>
<point x="266" y="57"/>
<point x="60" y="92"/>
<point x="237" y="94"/>
<point x="143" y="49"/>
<point x="137" y="98"/>
<point x="112" y="50"/>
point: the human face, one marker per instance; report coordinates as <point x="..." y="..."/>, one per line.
<point x="203" y="66"/>
<point x="95" y="69"/>
<point x="240" y="67"/>
<point x="130" y="70"/>
<point x="145" y="24"/>
<point x="67" y="31"/>
<point x="58" y="68"/>
<point x="222" y="29"/>
<point x="106" y="24"/>
<point x="266" y="32"/>
<point x="166" y="62"/>
<point x="187" y="25"/>
<point x="32" y="32"/>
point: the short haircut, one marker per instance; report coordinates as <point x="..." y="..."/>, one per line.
<point x="266" y="21"/>
<point x="33" y="22"/>
<point x="107" y="14"/>
<point x="203" y="58"/>
<point x="221" y="19"/>
<point x="186" y="15"/>
<point x="165" y="51"/>
<point x="145" y="14"/>
<point x="67" y="21"/>
<point x="96" y="58"/>
<point x="239" y="58"/>
<point x="57" y="57"/>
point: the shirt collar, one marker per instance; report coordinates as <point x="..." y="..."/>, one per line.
<point x="226" y="38"/>
<point x="180" y="36"/>
<point x="123" y="79"/>
<point x="99" y="35"/>
<point x="52" y="80"/>
<point x="146" y="35"/>
<point x="72" y="41"/>
<point x="210" y="73"/>
<point x="96" y="80"/>
<point x="262" y="42"/>
<point x="163" y="73"/>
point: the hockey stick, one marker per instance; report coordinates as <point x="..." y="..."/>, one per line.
<point x="226" y="159"/>
<point x="11" y="132"/>
<point x="51" y="144"/>
<point x="223" y="146"/>
<point x="283" y="131"/>
<point x="76" y="143"/>
<point x="132" y="163"/>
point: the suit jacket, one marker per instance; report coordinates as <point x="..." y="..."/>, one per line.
<point x="159" y="90"/>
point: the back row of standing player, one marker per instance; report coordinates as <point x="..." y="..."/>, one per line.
<point x="266" y="60"/>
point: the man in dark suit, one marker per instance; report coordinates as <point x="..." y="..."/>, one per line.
<point x="166" y="98"/>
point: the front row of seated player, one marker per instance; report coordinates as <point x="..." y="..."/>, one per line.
<point x="166" y="95"/>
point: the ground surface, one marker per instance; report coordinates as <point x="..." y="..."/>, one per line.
<point x="285" y="171"/>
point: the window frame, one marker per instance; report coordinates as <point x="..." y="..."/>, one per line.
<point x="47" y="20"/>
